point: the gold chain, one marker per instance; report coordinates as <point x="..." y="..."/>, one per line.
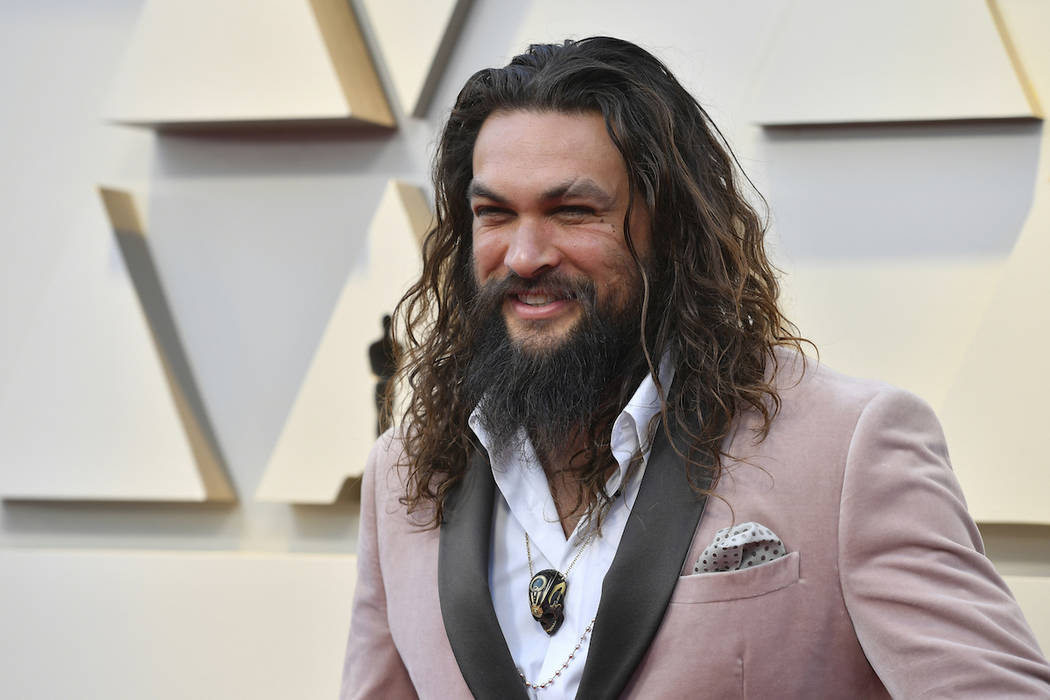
<point x="590" y="625"/>
<point x="572" y="655"/>
<point x="528" y="553"/>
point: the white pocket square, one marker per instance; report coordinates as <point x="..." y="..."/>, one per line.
<point x="739" y="547"/>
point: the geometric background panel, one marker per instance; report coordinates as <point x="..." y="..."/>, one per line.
<point x="892" y="240"/>
<point x="101" y="404"/>
<point x="254" y="235"/>
<point x="231" y="62"/>
<point x="896" y="60"/>
<point x="415" y="52"/>
<point x="128" y="222"/>
<point x="332" y="423"/>
<point x="902" y="321"/>
<point x="995" y="411"/>
<point x="900" y="191"/>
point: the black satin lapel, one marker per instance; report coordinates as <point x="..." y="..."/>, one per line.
<point x="463" y="588"/>
<point x="644" y="572"/>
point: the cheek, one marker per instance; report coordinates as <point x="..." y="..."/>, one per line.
<point x="488" y="256"/>
<point x="605" y="260"/>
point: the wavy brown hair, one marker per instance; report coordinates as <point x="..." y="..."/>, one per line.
<point x="709" y="294"/>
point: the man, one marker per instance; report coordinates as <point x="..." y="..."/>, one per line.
<point x="617" y="474"/>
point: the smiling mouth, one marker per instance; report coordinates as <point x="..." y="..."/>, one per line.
<point x="541" y="298"/>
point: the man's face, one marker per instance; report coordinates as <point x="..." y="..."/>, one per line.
<point x="549" y="197"/>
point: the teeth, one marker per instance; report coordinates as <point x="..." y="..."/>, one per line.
<point x="535" y="299"/>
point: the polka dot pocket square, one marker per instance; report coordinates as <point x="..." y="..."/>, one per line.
<point x="740" y="547"/>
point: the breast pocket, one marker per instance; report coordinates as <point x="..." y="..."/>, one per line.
<point x="737" y="585"/>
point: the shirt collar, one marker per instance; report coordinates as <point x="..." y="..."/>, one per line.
<point x="632" y="431"/>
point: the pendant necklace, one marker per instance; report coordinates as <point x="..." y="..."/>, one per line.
<point x="547" y="590"/>
<point x="557" y="674"/>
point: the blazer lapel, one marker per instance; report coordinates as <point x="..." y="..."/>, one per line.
<point x="644" y="571"/>
<point x="463" y="588"/>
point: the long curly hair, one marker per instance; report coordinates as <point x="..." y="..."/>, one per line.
<point x="709" y="293"/>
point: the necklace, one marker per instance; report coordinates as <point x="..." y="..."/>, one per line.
<point x="547" y="590"/>
<point x="572" y="655"/>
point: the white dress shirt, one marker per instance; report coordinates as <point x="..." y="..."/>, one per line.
<point x="525" y="505"/>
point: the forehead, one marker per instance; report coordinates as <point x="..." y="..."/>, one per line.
<point x="522" y="148"/>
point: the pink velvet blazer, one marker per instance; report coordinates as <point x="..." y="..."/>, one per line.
<point x="885" y="592"/>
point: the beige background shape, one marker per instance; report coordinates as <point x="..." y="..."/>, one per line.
<point x="167" y="625"/>
<point x="211" y="62"/>
<point x="128" y="222"/>
<point x="415" y="40"/>
<point x="227" y="270"/>
<point x="95" y="378"/>
<point x="835" y="62"/>
<point x="331" y="426"/>
<point x="995" y="412"/>
<point x="898" y="320"/>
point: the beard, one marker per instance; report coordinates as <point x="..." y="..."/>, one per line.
<point x="558" y="390"/>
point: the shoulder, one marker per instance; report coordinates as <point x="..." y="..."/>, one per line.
<point x="799" y="377"/>
<point x="816" y="398"/>
<point x="386" y="477"/>
<point x="383" y="468"/>
<point x="829" y="425"/>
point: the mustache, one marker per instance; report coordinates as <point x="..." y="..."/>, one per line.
<point x="489" y="296"/>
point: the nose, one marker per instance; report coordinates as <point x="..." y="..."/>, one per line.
<point x="531" y="249"/>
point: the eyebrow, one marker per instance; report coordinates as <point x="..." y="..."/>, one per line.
<point x="478" y="189"/>
<point x="582" y="188"/>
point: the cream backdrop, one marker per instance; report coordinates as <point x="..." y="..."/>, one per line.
<point x="914" y="251"/>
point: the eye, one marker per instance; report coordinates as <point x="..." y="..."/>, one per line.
<point x="575" y="212"/>
<point x="487" y="213"/>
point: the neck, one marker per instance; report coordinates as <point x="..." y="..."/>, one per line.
<point x="571" y="498"/>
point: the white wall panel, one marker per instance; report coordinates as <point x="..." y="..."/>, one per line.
<point x="53" y="148"/>
<point x="201" y="62"/>
<point x="254" y="256"/>
<point x="904" y="322"/>
<point x="415" y="39"/>
<point x="126" y="625"/>
<point x="894" y="60"/>
<point x="253" y="234"/>
<point x="995" y="411"/>
<point x="900" y="192"/>
<point x="893" y="238"/>
<point x="88" y="411"/>
<point x="332" y="424"/>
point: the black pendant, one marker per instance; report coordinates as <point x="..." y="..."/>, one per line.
<point x="547" y="599"/>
